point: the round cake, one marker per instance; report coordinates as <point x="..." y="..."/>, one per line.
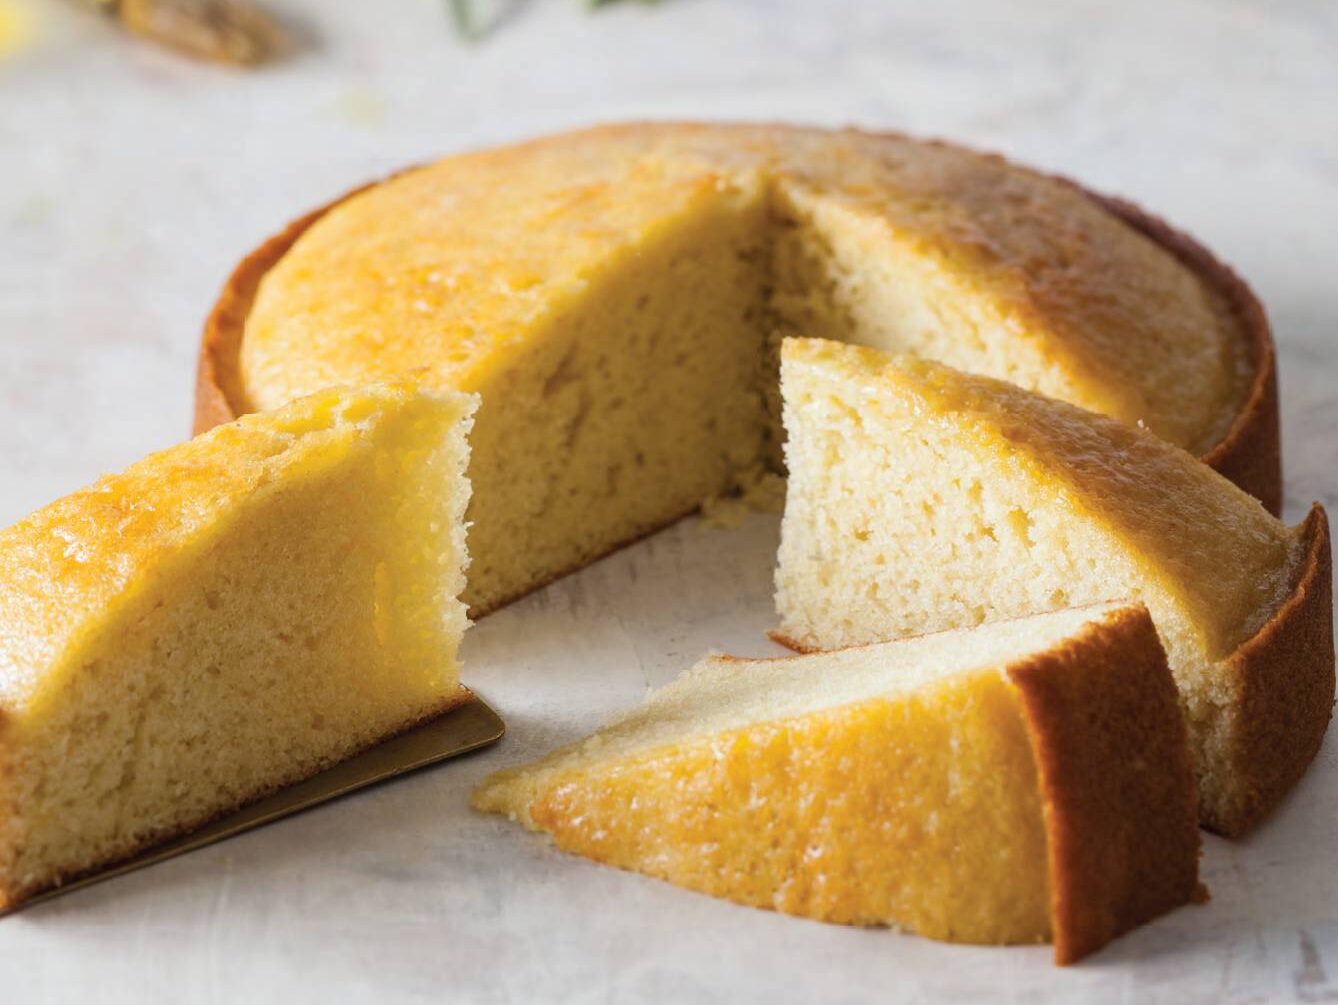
<point x="616" y="297"/>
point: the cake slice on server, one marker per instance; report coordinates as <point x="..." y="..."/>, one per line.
<point x="224" y="618"/>
<point x="922" y="499"/>
<point x="1021" y="782"/>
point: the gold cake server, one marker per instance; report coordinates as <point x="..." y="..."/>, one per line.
<point x="469" y="726"/>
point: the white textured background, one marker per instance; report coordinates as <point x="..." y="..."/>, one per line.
<point x="131" y="181"/>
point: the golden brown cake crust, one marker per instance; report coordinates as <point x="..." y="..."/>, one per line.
<point x="1248" y="453"/>
<point x="12" y="899"/>
<point x="1284" y="680"/>
<point x="218" y="386"/>
<point x="1123" y="841"/>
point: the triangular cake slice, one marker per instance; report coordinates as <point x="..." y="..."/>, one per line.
<point x="921" y="499"/>
<point x="1024" y="781"/>
<point x="224" y="618"/>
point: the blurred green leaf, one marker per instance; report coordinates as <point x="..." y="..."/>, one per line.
<point x="472" y="17"/>
<point x="469" y="17"/>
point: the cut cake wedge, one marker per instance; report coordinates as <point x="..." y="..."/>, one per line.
<point x="1024" y="781"/>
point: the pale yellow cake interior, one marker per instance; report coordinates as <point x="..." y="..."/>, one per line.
<point x="616" y="297"/>
<point x="922" y="499"/>
<point x="224" y="618"/>
<point x="592" y="439"/>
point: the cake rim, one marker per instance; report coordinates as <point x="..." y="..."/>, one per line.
<point x="1248" y="452"/>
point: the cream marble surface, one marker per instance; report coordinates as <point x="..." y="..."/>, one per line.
<point x="131" y="181"/>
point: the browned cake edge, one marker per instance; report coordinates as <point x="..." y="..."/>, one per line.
<point x="1116" y="781"/>
<point x="1250" y="451"/>
<point x="219" y="396"/>
<point x="1284" y="683"/>
<point x="13" y="896"/>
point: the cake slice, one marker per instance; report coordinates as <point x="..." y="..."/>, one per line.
<point x="224" y="618"/>
<point x="1024" y="781"/>
<point x="921" y="499"/>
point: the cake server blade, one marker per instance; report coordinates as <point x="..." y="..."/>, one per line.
<point x="468" y="726"/>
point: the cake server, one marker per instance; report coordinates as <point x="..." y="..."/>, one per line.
<point x="469" y="726"/>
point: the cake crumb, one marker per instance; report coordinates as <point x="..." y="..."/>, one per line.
<point x="758" y="491"/>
